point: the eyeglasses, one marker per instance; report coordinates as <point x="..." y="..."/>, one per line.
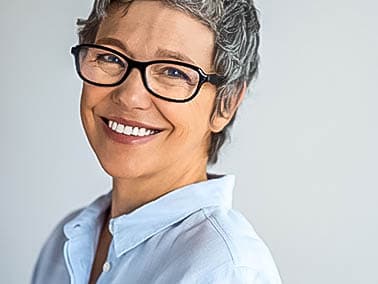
<point x="166" y="79"/>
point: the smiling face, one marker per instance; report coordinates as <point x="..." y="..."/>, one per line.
<point x="176" y="135"/>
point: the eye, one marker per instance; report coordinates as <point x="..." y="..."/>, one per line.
<point x="176" y="73"/>
<point x="110" y="58"/>
<point x="170" y="74"/>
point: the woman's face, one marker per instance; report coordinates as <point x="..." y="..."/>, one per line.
<point x="150" y="31"/>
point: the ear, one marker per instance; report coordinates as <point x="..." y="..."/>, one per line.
<point x="220" y="120"/>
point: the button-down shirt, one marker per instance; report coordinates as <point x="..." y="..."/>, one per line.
<point x="189" y="235"/>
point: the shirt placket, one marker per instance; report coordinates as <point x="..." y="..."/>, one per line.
<point x="108" y="267"/>
<point x="78" y="255"/>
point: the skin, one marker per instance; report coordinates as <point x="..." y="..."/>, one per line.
<point x="177" y="156"/>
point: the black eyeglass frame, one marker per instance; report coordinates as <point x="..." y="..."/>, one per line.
<point x="141" y="66"/>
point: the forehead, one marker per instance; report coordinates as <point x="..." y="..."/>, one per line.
<point x="150" y="27"/>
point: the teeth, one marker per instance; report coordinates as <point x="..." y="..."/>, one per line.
<point x="135" y="131"/>
<point x="129" y="130"/>
<point x="142" y="132"/>
<point x="114" y="126"/>
<point x="120" y="128"/>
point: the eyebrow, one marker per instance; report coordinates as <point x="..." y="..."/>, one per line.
<point x="114" y="42"/>
<point x="174" y="55"/>
<point x="165" y="53"/>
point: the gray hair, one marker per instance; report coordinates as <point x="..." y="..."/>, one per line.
<point x="236" y="28"/>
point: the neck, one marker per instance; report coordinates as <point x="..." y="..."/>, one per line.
<point x="131" y="193"/>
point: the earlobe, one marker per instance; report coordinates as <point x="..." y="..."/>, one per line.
<point x="222" y="115"/>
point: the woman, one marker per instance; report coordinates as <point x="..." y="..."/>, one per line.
<point x="162" y="82"/>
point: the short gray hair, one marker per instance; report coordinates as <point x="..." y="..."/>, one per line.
<point x="236" y="28"/>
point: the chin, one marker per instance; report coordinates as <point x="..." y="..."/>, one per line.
<point x="122" y="169"/>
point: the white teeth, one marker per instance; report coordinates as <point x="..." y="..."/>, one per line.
<point x="142" y="132"/>
<point x="120" y="128"/>
<point x="114" y="126"/>
<point x="129" y="130"/>
<point x="135" y="131"/>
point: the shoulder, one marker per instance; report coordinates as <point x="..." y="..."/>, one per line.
<point x="225" y="247"/>
<point x="231" y="274"/>
<point x="57" y="235"/>
<point x="51" y="255"/>
<point x="237" y="237"/>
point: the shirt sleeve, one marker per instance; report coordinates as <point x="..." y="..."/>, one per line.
<point x="231" y="274"/>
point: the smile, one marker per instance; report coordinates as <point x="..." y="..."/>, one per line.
<point x="130" y="130"/>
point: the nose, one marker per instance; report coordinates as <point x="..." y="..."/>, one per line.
<point x="132" y="94"/>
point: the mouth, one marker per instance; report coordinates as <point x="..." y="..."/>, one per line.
<point x="129" y="128"/>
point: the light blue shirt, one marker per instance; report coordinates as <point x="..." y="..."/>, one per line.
<point x="190" y="235"/>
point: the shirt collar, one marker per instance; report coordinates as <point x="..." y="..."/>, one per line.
<point x="89" y="218"/>
<point x="130" y="230"/>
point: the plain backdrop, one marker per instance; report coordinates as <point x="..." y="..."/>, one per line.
<point x="304" y="146"/>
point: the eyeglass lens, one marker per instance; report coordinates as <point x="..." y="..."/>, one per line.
<point x="165" y="79"/>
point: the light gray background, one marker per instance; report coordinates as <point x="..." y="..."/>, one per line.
<point x="304" y="147"/>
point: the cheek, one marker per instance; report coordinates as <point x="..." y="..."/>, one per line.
<point x="85" y="108"/>
<point x="189" y="120"/>
<point x="85" y="101"/>
<point x="91" y="97"/>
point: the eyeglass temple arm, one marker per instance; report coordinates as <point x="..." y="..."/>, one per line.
<point x="215" y="79"/>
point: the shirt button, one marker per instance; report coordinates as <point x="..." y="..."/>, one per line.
<point x="106" y="267"/>
<point x="111" y="228"/>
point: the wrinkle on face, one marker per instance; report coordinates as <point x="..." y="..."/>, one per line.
<point x="163" y="27"/>
<point x="151" y="31"/>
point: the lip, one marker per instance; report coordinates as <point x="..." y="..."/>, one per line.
<point x="126" y="139"/>
<point x="130" y="123"/>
